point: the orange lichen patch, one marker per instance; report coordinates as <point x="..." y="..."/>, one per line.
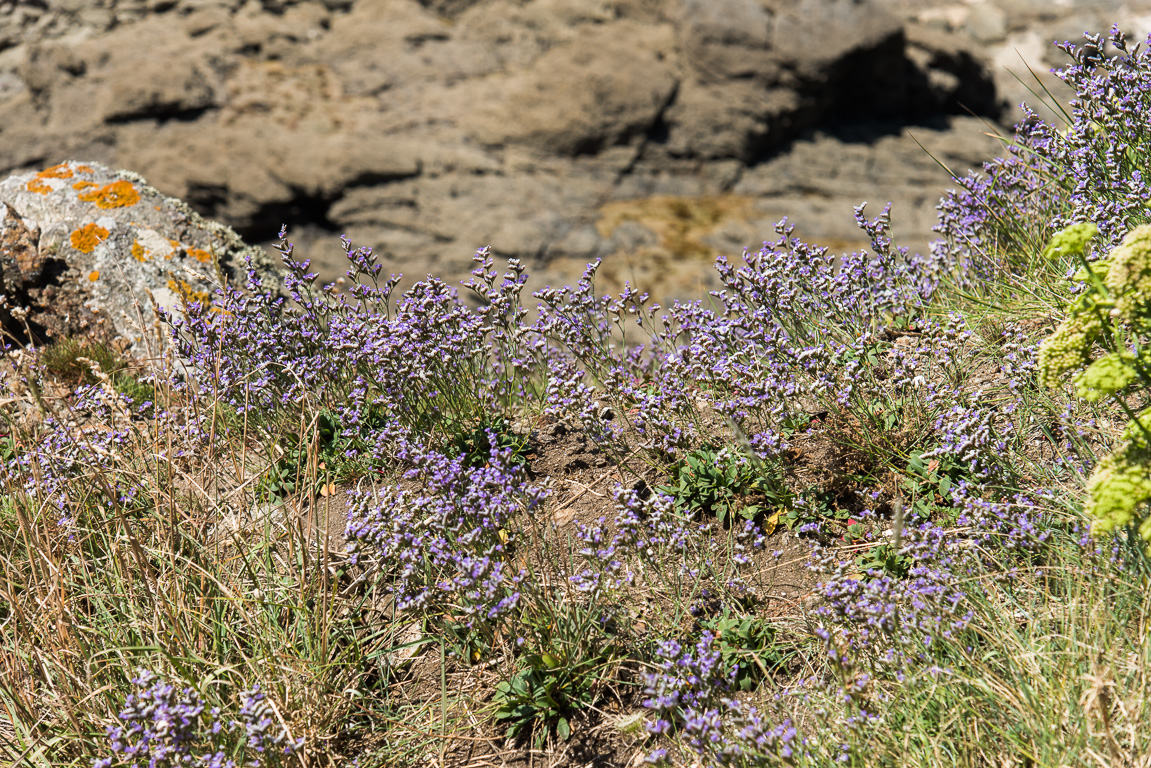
<point x="94" y="275"/>
<point x="118" y="194"/>
<point x="37" y="184"/>
<point x="80" y="186"/>
<point x="86" y="238"/>
<point x="200" y="255"/>
<point x="187" y="294"/>
<point x="150" y="244"/>
<point x="61" y="171"/>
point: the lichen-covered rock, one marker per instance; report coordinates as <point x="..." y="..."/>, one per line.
<point x="88" y="250"/>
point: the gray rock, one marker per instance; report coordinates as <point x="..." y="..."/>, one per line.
<point x="725" y="39"/>
<point x="735" y="119"/>
<point x="89" y="250"/>
<point x="950" y="74"/>
<point x="987" y="23"/>
<point x="815" y="34"/>
<point x="608" y="84"/>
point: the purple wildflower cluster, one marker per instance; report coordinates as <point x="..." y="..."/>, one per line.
<point x="167" y="726"/>
<point x="78" y="470"/>
<point x="894" y="621"/>
<point x="448" y="544"/>
<point x="1017" y="363"/>
<point x="429" y="362"/>
<point x="1011" y="522"/>
<point x="976" y="438"/>
<point x="796" y="323"/>
<point x="262" y="725"/>
<point x="87" y="459"/>
<point x="991" y="221"/>
<point x="653" y="541"/>
<point x="603" y="369"/>
<point x="1090" y="171"/>
<point x="55" y="473"/>
<point x="1101" y="154"/>
<point x="691" y="693"/>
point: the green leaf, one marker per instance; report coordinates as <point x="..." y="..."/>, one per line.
<point x="563" y="729"/>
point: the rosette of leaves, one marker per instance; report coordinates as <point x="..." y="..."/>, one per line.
<point x="547" y="691"/>
<point x="725" y="484"/>
<point x="544" y="693"/>
<point x="571" y="658"/>
<point x="286" y="474"/>
<point x="7" y="445"/>
<point x="474" y="444"/>
<point x="748" y="648"/>
<point x="1104" y="341"/>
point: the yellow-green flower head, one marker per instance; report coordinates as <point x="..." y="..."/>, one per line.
<point x="1099" y="268"/>
<point x="1070" y="240"/>
<point x="1129" y="276"/>
<point x="1119" y="491"/>
<point x="1136" y="433"/>
<point x="1068" y="349"/>
<point x="1109" y="375"/>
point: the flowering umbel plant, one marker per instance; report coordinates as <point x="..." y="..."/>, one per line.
<point x="1112" y="313"/>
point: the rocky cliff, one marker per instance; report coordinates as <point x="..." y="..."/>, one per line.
<point x="651" y="133"/>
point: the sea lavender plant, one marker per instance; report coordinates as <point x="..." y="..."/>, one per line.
<point x="428" y="362"/>
<point x="592" y="332"/>
<point x="164" y="726"/>
<point x="691" y="694"/>
<point x="651" y="543"/>
<point x="448" y="545"/>
<point x="990" y="224"/>
<point x="1093" y="170"/>
<point x="1102" y="154"/>
<point x="889" y="623"/>
<point x="800" y="331"/>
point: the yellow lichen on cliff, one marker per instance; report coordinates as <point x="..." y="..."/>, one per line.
<point x="138" y="252"/>
<point x="86" y="238"/>
<point x="200" y="255"/>
<point x="80" y="186"/>
<point x="118" y="194"/>
<point x="680" y="223"/>
<point x="94" y="275"/>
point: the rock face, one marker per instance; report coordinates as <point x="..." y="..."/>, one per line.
<point x="87" y="250"/>
<point x="429" y="128"/>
